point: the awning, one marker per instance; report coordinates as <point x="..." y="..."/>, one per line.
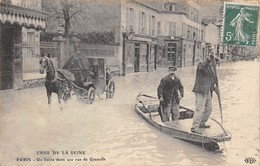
<point x="29" y="18"/>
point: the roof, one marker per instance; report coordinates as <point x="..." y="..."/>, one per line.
<point x="10" y="9"/>
<point x="29" y="18"/>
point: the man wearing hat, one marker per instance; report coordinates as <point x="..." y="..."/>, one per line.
<point x="169" y="92"/>
<point x="204" y="85"/>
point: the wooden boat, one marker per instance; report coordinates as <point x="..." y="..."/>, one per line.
<point x="147" y="107"/>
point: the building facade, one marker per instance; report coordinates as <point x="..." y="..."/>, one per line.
<point x="180" y="37"/>
<point x="151" y="34"/>
<point x="139" y="38"/>
<point x="181" y="34"/>
<point x="21" y="23"/>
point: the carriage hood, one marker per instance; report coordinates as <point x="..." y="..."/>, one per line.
<point x="80" y="61"/>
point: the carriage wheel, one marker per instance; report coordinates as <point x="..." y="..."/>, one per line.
<point x="110" y="89"/>
<point x="91" y="95"/>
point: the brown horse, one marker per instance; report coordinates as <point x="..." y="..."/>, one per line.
<point x="52" y="83"/>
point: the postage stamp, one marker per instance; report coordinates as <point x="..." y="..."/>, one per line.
<point x="240" y="24"/>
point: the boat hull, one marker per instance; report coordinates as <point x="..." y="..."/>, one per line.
<point x="176" y="130"/>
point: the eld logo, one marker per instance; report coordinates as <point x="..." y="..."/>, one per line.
<point x="250" y="160"/>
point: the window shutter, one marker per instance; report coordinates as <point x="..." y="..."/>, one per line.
<point x="174" y="28"/>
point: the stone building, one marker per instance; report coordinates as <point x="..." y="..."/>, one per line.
<point x="21" y="22"/>
<point x="151" y="34"/>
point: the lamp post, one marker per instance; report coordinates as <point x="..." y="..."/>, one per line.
<point x="180" y="51"/>
<point x="124" y="63"/>
<point x="194" y="49"/>
<point x="126" y="36"/>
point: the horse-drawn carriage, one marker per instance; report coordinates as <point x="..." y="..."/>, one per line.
<point x="82" y="76"/>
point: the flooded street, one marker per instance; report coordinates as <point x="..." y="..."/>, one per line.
<point x="111" y="130"/>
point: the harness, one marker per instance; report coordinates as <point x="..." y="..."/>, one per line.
<point x="50" y="68"/>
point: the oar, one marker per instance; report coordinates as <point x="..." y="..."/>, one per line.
<point x="217" y="86"/>
<point x="148" y="96"/>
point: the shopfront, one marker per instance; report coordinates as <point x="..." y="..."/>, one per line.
<point x="140" y="54"/>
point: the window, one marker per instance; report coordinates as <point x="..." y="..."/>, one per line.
<point x="150" y="25"/>
<point x="171" y="52"/>
<point x="189" y="32"/>
<point x="30" y="38"/>
<point x="197" y="17"/>
<point x="191" y="13"/>
<point x="172" y="28"/>
<point x="158" y="28"/>
<point x="197" y="34"/>
<point x="31" y="41"/>
<point x="184" y="29"/>
<point x="202" y="35"/>
<point x="170" y="6"/>
<point x="142" y="20"/>
<point x="153" y="25"/>
<point x="193" y="34"/>
<point x="130" y="19"/>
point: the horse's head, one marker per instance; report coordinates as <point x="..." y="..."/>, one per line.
<point x="44" y="64"/>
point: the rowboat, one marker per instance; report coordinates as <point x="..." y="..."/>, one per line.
<point x="147" y="107"/>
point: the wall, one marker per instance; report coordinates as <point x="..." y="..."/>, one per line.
<point x="166" y="18"/>
<point x="138" y="8"/>
<point x="212" y="34"/>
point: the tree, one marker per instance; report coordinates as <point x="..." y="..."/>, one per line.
<point x="61" y="13"/>
<point x="83" y="17"/>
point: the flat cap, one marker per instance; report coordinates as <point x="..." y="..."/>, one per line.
<point x="172" y="69"/>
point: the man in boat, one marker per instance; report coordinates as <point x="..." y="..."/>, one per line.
<point x="205" y="84"/>
<point x="169" y="92"/>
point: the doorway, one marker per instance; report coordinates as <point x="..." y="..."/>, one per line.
<point x="171" y="53"/>
<point x="9" y="35"/>
<point x="137" y="58"/>
<point x="6" y="44"/>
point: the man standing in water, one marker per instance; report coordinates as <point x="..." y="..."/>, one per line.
<point x="170" y="91"/>
<point x="203" y="88"/>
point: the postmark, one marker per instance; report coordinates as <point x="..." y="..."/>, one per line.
<point x="240" y="24"/>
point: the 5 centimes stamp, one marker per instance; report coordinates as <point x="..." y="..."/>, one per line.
<point x="240" y="24"/>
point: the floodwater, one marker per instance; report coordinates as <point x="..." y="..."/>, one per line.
<point x="111" y="131"/>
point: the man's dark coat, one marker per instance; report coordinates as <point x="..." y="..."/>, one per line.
<point x="205" y="78"/>
<point x="168" y="89"/>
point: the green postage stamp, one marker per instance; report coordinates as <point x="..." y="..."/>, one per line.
<point x="240" y="24"/>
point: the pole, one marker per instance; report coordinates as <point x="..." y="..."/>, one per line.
<point x="194" y="53"/>
<point x="217" y="86"/>
<point x="124" y="52"/>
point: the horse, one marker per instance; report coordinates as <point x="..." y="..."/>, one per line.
<point x="52" y="82"/>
